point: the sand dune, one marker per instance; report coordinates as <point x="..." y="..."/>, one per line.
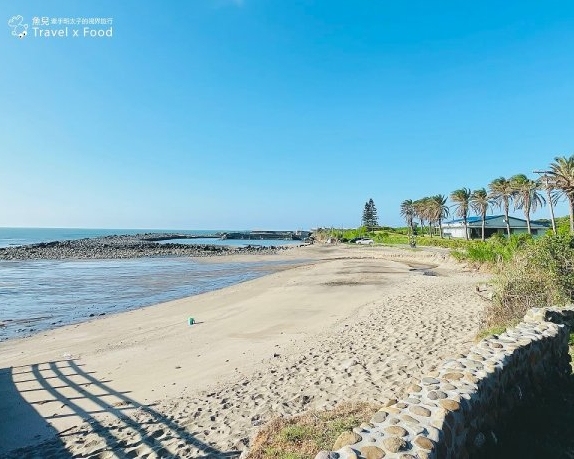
<point x="350" y="324"/>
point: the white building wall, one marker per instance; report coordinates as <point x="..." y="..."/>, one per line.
<point x="454" y="232"/>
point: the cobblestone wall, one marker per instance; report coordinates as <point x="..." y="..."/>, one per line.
<point x="455" y="411"/>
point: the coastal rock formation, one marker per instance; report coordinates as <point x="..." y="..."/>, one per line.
<point x="124" y="246"/>
<point x="455" y="411"/>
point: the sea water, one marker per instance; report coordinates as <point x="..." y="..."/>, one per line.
<point x="10" y="237"/>
<point x="24" y="236"/>
<point x="36" y="295"/>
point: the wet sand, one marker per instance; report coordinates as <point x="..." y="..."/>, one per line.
<point x="146" y="384"/>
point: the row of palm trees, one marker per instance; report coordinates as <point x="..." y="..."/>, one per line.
<point x="518" y="191"/>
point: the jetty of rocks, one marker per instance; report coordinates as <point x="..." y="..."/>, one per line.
<point x="126" y="246"/>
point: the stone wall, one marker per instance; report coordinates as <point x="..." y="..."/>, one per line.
<point x="455" y="411"/>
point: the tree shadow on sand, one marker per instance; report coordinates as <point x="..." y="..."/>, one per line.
<point x="28" y="394"/>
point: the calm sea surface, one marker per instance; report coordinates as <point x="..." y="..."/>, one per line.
<point x="23" y="236"/>
<point x="37" y="295"/>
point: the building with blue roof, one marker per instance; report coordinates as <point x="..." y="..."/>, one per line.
<point x="494" y="224"/>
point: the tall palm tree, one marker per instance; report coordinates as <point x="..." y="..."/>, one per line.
<point x="428" y="207"/>
<point x="501" y="192"/>
<point x="440" y="210"/>
<point x="420" y="212"/>
<point x="425" y="209"/>
<point x="461" y="198"/>
<point x="553" y="196"/>
<point x="480" y="202"/>
<point x="561" y="176"/>
<point x="408" y="213"/>
<point x="431" y="210"/>
<point x="526" y="196"/>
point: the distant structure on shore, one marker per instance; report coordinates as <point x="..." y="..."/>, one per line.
<point x="298" y="235"/>
<point x="495" y="224"/>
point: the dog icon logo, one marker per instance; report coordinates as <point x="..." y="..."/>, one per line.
<point x="19" y="29"/>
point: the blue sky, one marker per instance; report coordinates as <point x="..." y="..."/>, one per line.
<point x="276" y="114"/>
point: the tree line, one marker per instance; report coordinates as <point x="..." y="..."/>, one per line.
<point x="518" y="192"/>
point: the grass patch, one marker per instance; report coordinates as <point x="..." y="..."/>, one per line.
<point x="387" y="235"/>
<point x="527" y="273"/>
<point x="296" y="433"/>
<point x="495" y="330"/>
<point x="494" y="251"/>
<point x="302" y="437"/>
<point x="538" y="274"/>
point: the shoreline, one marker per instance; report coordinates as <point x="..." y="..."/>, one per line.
<point x="104" y="287"/>
<point x="275" y="345"/>
<point x="129" y="246"/>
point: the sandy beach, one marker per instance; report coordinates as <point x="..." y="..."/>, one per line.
<point x="349" y="323"/>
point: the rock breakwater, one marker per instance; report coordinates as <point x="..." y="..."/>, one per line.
<point x="456" y="411"/>
<point x="125" y="246"/>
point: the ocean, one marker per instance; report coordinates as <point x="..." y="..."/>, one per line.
<point x="24" y="236"/>
<point x="37" y="295"/>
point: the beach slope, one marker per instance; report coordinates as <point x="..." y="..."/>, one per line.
<point x="350" y="323"/>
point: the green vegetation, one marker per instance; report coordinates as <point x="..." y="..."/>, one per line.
<point x="301" y="437"/>
<point x="494" y="250"/>
<point x="519" y="190"/>
<point x="387" y="235"/>
<point x="526" y="196"/>
<point x="560" y="181"/>
<point x="496" y="330"/>
<point x="479" y="203"/>
<point x="296" y="433"/>
<point x="501" y="192"/>
<point x="538" y="273"/>
<point x="370" y="217"/>
<point x="461" y="199"/>
<point x="527" y="272"/>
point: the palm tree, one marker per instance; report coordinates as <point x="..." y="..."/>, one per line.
<point x="501" y="193"/>
<point x="526" y="196"/>
<point x="479" y="202"/>
<point x="420" y="213"/>
<point x="561" y="176"/>
<point x="408" y="213"/>
<point x="553" y="195"/>
<point x="440" y="209"/>
<point x="428" y="209"/>
<point x="461" y="198"/>
<point x="424" y="209"/>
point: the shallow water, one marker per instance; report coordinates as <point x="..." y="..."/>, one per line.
<point x="10" y="237"/>
<point x="42" y="294"/>
<point x="234" y="242"/>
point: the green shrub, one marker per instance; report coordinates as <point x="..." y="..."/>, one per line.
<point x="538" y="274"/>
<point x="494" y="250"/>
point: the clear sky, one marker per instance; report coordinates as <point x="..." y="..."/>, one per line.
<point x="276" y="114"/>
